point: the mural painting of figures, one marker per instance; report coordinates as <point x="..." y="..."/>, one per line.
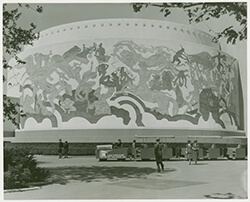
<point x="174" y="81"/>
<point x="101" y="105"/>
<point x="85" y="86"/>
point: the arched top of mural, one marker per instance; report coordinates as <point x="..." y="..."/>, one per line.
<point x="123" y="28"/>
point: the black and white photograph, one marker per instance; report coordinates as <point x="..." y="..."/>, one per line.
<point x="124" y="100"/>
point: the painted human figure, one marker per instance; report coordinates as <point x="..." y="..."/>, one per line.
<point x="195" y="149"/>
<point x="100" y="54"/>
<point x="180" y="54"/>
<point x="125" y="79"/>
<point x="181" y="78"/>
<point x="115" y="81"/>
<point x="189" y="152"/>
<point x="85" y="51"/>
<point x="158" y="155"/>
<point x="67" y="105"/>
<point x="85" y="86"/>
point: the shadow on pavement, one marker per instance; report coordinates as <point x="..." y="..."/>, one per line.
<point x="42" y="162"/>
<point x="63" y="175"/>
<point x="223" y="196"/>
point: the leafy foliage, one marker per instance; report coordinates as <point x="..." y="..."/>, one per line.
<point x="198" y="12"/>
<point x="11" y="110"/>
<point x="20" y="168"/>
<point x="14" y="38"/>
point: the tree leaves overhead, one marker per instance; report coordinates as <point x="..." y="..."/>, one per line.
<point x="14" y="38"/>
<point x="198" y="12"/>
<point x="11" y="110"/>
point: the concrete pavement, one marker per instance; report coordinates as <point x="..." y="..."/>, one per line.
<point x="87" y="178"/>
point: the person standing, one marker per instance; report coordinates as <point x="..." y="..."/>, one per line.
<point x="66" y="149"/>
<point x="134" y="144"/>
<point x="189" y="152"/>
<point x="60" y="148"/>
<point x="158" y="155"/>
<point x="178" y="152"/>
<point x="134" y="152"/>
<point x="195" y="149"/>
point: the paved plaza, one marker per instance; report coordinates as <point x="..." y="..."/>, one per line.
<point x="87" y="178"/>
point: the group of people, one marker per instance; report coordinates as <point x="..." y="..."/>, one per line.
<point x="192" y="151"/>
<point x="63" y="149"/>
<point x="120" y="145"/>
<point x="132" y="152"/>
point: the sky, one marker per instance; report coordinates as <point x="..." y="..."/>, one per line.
<point x="55" y="14"/>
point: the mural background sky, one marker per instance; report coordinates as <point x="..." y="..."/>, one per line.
<point x="55" y="14"/>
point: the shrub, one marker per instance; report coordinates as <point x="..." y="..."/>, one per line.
<point x="20" y="169"/>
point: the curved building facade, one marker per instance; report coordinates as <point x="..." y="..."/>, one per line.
<point x="100" y="80"/>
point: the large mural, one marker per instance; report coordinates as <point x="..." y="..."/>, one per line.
<point x="96" y="79"/>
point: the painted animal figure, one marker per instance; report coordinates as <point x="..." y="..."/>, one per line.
<point x="210" y="103"/>
<point x="203" y="58"/>
<point x="73" y="51"/>
<point x="167" y="78"/>
<point x="157" y="60"/>
<point x="131" y="54"/>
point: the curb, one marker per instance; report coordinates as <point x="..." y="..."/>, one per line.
<point x="21" y="189"/>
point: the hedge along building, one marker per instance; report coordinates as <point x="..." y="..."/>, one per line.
<point x="102" y="80"/>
